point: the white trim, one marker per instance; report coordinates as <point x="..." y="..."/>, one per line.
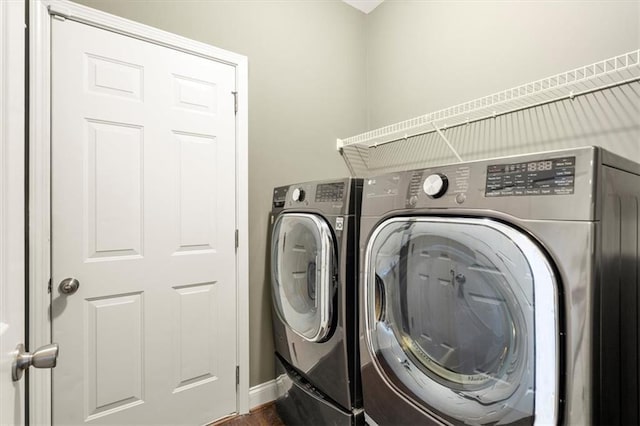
<point x="76" y="12"/>
<point x="263" y="393"/>
<point x="12" y="212"/>
<point x="39" y="206"/>
<point x="39" y="176"/>
<point x="364" y="6"/>
<point x="369" y="421"/>
<point x="242" y="224"/>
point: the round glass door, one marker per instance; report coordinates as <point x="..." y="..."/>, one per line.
<point x="302" y="268"/>
<point x="450" y="316"/>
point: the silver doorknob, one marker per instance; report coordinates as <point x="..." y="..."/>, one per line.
<point x="44" y="357"/>
<point x="69" y="286"/>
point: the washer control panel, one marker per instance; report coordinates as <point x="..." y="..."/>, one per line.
<point x="487" y="186"/>
<point x="541" y="177"/>
<point x="329" y="192"/>
<point x="435" y="185"/>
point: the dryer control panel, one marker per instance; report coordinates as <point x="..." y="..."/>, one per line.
<point x="331" y="197"/>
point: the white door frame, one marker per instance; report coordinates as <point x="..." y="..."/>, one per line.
<point x="41" y="12"/>
<point x="12" y="211"/>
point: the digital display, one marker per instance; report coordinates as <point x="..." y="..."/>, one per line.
<point x="279" y="196"/>
<point x="330" y="192"/>
<point x="547" y="177"/>
<point x="540" y="166"/>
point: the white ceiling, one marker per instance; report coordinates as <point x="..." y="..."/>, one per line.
<point x="364" y="5"/>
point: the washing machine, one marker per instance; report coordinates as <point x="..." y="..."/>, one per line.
<point x="314" y="276"/>
<point x="502" y="292"/>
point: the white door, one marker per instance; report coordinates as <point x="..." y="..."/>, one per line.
<point x="143" y="217"/>
<point x="12" y="282"/>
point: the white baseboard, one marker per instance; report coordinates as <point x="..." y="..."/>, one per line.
<point x="262" y="393"/>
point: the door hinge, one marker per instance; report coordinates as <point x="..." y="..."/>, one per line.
<point x="235" y="102"/>
<point x="237" y="375"/>
<point x="237" y="239"/>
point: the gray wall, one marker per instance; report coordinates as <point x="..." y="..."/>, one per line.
<point x="305" y="90"/>
<point x="321" y="69"/>
<point x="423" y="56"/>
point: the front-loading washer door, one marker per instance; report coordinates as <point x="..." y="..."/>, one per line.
<point x="461" y="319"/>
<point x="302" y="268"/>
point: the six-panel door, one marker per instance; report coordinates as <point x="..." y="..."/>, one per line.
<point x="143" y="215"/>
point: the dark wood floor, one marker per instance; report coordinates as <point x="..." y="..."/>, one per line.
<point x="264" y="415"/>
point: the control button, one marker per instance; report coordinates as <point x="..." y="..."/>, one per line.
<point x="298" y="194"/>
<point x="413" y="201"/>
<point x="460" y="198"/>
<point x="435" y="185"/>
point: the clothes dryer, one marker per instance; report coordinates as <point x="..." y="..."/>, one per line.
<point x="314" y="287"/>
<point x="502" y="292"/>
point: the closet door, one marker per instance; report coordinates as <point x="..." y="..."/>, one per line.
<point x="143" y="218"/>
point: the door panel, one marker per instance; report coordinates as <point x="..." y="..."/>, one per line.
<point x="143" y="215"/>
<point x="114" y="189"/>
<point x="115" y="378"/>
<point x="197" y="191"/>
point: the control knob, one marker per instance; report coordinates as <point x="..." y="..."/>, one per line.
<point x="298" y="194"/>
<point x="435" y="185"/>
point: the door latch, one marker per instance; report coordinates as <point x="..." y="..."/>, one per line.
<point x="69" y="286"/>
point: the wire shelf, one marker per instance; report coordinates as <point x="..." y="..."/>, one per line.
<point x="595" y="104"/>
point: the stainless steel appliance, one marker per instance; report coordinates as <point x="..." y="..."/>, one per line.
<point x="502" y="292"/>
<point x="314" y="287"/>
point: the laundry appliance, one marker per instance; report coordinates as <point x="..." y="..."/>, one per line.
<point x="314" y="270"/>
<point x="502" y="291"/>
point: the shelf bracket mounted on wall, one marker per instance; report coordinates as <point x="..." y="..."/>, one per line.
<point x="444" y="138"/>
<point x="340" y="146"/>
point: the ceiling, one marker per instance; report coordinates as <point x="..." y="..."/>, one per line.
<point x="365" y="6"/>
